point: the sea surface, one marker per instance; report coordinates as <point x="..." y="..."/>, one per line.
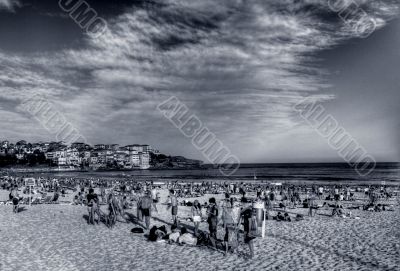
<point x="385" y="173"/>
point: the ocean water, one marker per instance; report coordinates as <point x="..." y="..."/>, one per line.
<point x="310" y="172"/>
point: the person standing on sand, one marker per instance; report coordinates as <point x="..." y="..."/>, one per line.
<point x="154" y="196"/>
<point x="230" y="238"/>
<point x="15" y="199"/>
<point x="92" y="200"/>
<point x="320" y="192"/>
<point x="248" y="215"/>
<point x="111" y="218"/>
<point x="174" y="206"/>
<point x="196" y="216"/>
<point x="212" y="220"/>
<point x="311" y="204"/>
<point x="146" y="204"/>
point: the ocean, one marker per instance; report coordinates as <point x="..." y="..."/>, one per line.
<point x="388" y="173"/>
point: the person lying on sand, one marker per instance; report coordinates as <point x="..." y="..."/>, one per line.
<point x="187" y="238"/>
<point x="173" y="237"/>
<point x="157" y="233"/>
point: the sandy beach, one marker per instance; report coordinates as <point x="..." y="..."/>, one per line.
<point x="57" y="237"/>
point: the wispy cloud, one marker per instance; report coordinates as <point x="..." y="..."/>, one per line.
<point x="240" y="65"/>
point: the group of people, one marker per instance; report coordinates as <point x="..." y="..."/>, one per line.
<point x="235" y="213"/>
<point x="236" y="218"/>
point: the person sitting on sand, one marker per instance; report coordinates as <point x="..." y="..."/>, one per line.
<point x="173" y="237"/>
<point x="287" y="217"/>
<point x="337" y="210"/>
<point x="157" y="233"/>
<point x="196" y="215"/>
<point x="280" y="217"/>
<point x="75" y="200"/>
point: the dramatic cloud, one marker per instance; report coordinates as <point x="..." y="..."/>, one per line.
<point x="239" y="65"/>
<point x="9" y="4"/>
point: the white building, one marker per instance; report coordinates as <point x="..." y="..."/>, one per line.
<point x="144" y="160"/>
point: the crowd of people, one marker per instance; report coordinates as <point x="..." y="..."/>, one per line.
<point x="234" y="214"/>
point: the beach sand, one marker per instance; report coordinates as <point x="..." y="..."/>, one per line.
<point x="57" y="237"/>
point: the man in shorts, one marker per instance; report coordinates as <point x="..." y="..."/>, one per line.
<point x="174" y="206"/>
<point x="154" y="196"/>
<point x="146" y="204"/>
<point x="15" y="199"/>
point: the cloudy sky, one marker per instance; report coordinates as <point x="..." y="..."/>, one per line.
<point x="240" y="66"/>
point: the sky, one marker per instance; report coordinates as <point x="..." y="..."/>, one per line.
<point x="239" y="66"/>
